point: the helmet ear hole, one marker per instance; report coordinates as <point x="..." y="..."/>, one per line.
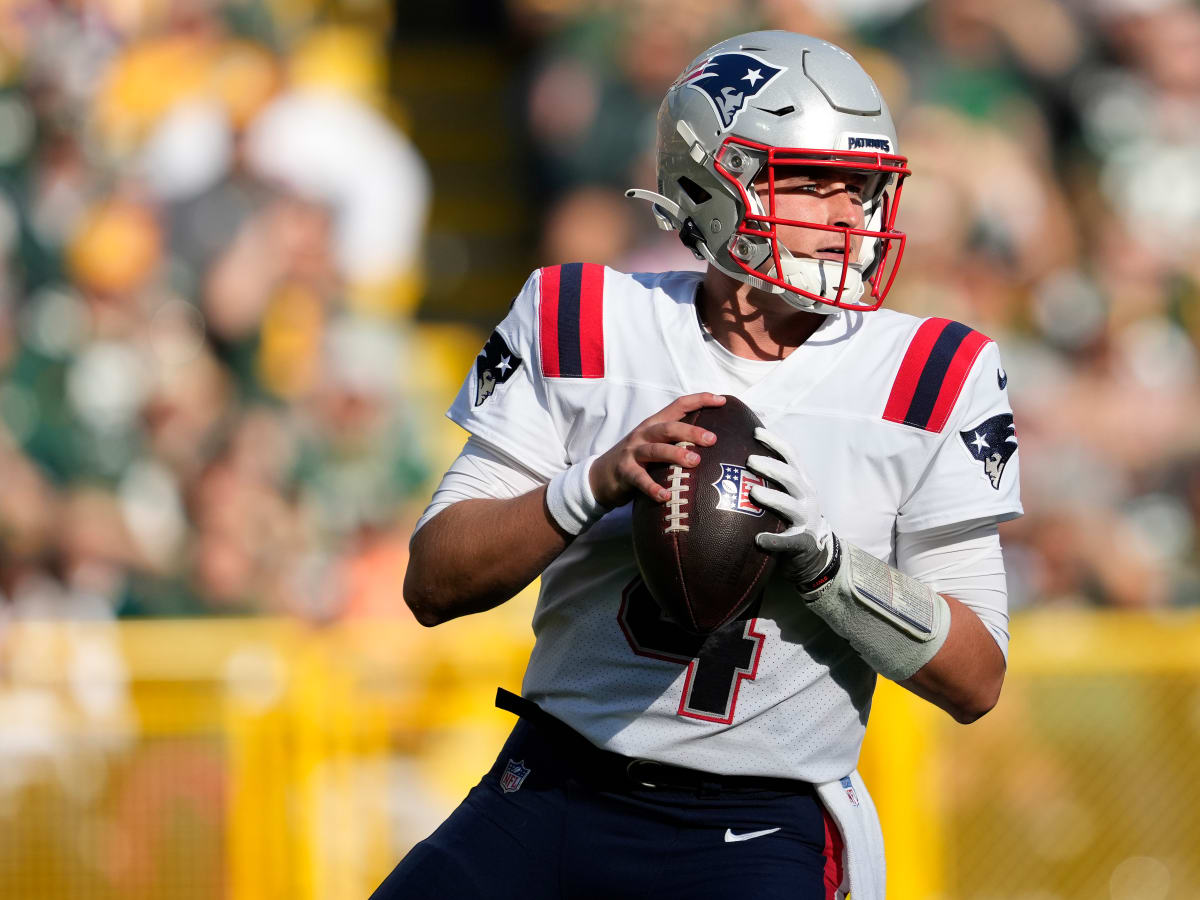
<point x="695" y="193"/>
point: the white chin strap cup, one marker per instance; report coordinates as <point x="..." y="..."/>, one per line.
<point x="820" y="277"/>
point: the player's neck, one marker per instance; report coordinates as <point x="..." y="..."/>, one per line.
<point x="750" y="323"/>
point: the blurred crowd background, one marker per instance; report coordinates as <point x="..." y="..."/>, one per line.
<point x="230" y="230"/>
<point x="250" y="248"/>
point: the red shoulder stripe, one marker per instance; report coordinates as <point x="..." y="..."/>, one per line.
<point x="909" y="374"/>
<point x="956" y="376"/>
<point x="932" y="374"/>
<point x="548" y="321"/>
<point x="591" y="321"/>
<point x="572" y="321"/>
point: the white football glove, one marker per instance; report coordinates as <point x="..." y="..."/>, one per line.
<point x="894" y="622"/>
<point x="806" y="547"/>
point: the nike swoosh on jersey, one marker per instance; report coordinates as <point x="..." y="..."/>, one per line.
<point x="1001" y="378"/>
<point x="730" y="837"/>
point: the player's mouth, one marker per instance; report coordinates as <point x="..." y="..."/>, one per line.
<point x="837" y="253"/>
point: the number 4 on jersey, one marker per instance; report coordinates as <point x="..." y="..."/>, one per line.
<point x="716" y="663"/>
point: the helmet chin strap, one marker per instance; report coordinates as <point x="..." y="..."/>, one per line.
<point x="756" y="283"/>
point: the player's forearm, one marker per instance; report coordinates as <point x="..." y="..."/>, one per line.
<point x="930" y="643"/>
<point x="965" y="676"/>
<point x="477" y="554"/>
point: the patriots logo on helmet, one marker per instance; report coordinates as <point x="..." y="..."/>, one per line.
<point x="992" y="442"/>
<point x="734" y="487"/>
<point x="729" y="80"/>
<point x="494" y="365"/>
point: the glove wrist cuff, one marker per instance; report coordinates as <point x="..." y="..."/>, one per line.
<point x="830" y="570"/>
<point x="570" y="500"/>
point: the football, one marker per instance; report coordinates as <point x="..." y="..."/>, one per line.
<point x="696" y="551"/>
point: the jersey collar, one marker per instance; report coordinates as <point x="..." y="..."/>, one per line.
<point x="789" y="383"/>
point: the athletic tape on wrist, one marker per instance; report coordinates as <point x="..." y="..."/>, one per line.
<point x="896" y="623"/>
<point x="570" y="500"/>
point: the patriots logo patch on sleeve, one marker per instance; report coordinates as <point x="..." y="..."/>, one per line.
<point x="729" y="80"/>
<point x="494" y="365"/>
<point x="992" y="442"/>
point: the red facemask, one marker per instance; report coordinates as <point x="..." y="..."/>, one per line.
<point x="880" y="270"/>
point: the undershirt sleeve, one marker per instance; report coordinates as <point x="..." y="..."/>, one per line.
<point x="481" y="471"/>
<point x="965" y="562"/>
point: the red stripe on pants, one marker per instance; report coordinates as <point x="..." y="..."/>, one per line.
<point x="834" y="845"/>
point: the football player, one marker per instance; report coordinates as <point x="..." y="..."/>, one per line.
<point x="646" y="762"/>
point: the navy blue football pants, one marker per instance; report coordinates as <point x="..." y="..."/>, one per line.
<point x="562" y="833"/>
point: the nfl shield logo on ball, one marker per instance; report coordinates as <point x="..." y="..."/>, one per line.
<point x="514" y="775"/>
<point x="734" y="489"/>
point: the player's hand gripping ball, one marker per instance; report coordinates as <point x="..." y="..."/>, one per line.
<point x="696" y="551"/>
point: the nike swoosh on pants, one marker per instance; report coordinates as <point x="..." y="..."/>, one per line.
<point x="730" y="837"/>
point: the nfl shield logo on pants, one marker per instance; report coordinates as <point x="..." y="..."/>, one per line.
<point x="514" y="776"/>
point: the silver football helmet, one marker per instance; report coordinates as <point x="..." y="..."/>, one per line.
<point x="754" y="104"/>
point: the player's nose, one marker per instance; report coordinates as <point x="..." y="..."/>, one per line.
<point x="840" y="207"/>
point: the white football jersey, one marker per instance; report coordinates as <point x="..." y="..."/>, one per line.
<point x="904" y="425"/>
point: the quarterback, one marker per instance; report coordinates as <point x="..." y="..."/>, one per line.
<point x="648" y="761"/>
